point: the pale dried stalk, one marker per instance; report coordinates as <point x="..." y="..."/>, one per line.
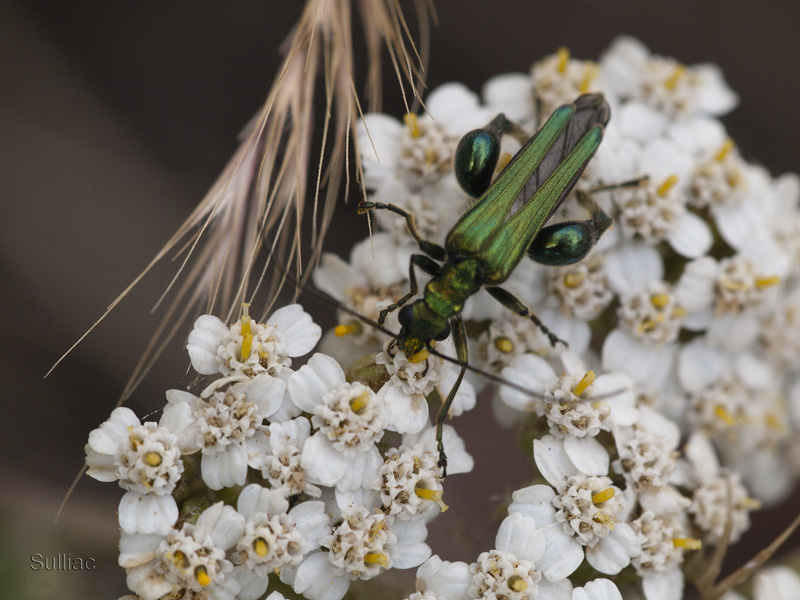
<point x="255" y="210"/>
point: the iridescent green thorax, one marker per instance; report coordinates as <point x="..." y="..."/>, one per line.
<point x="444" y="298"/>
<point x="446" y="293"/>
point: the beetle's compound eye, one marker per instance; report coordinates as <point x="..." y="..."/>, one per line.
<point x="405" y="315"/>
<point x="442" y="335"/>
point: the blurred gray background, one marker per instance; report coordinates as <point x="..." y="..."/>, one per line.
<point x="115" y="118"/>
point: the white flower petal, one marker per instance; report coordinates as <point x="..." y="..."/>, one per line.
<point x="587" y="454"/>
<point x="733" y="332"/>
<point x="315" y="579"/>
<point x="369" y="499"/>
<point x="640" y="122"/>
<point x="227" y="529"/>
<point x="323" y="464"/>
<point x="563" y="553"/>
<point x="137" y="549"/>
<point x="257" y="499"/>
<point x="107" y="438"/>
<point x="177" y="416"/>
<point x="146" y="585"/>
<point x="632" y="266"/>
<point x="646" y="366"/>
<point x="599" y="589"/>
<point x="266" y="392"/>
<point x="662" y="158"/>
<point x="451" y="103"/>
<point x="575" y="332"/>
<point x="535" y="501"/>
<point x="776" y="583"/>
<point x="298" y="329"/>
<point x="465" y="398"/>
<point x="699" y="366"/>
<point x="552" y="461"/>
<point x="691" y="236"/>
<point x="410" y="556"/>
<point x="251" y="585"/>
<point x="203" y="342"/>
<point x="363" y="471"/>
<point x="510" y="94"/>
<point x="147" y="513"/>
<point x="406" y="413"/>
<point x="699" y="136"/>
<point x="310" y="382"/>
<point x="695" y="288"/>
<point x="667" y="585"/>
<point x="518" y="534"/>
<point x="226" y="468"/>
<point x="334" y="276"/>
<point x="554" y="590"/>
<point x="446" y="579"/>
<point x="613" y="552"/>
<point x="311" y="520"/>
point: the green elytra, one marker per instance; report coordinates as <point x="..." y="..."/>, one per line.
<point x="506" y="222"/>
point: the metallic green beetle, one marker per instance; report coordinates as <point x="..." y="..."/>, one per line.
<point x="505" y="223"/>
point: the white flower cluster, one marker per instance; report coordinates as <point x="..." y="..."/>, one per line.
<point x="673" y="413"/>
<point x="687" y="308"/>
<point x="271" y="470"/>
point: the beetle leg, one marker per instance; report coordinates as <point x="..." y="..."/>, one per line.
<point x="512" y="303"/>
<point x="462" y="352"/>
<point x="433" y="250"/>
<point x="428" y="265"/>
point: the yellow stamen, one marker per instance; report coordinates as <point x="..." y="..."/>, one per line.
<point x="750" y="504"/>
<point x="432" y="495"/>
<point x="584" y="383"/>
<point x="358" y="404"/>
<point x="179" y="559"/>
<point x="376" y="558"/>
<point x="201" y="576"/>
<point x="504" y="159"/>
<point x="375" y="529"/>
<point x="668" y="184"/>
<point x="732" y="284"/>
<point x="687" y="543"/>
<point x="503" y="344"/>
<point x="650" y="324"/>
<point x="517" y="583"/>
<point x="430" y="155"/>
<point x="562" y="55"/>
<point x="153" y="459"/>
<point x="343" y="330"/>
<point x="134" y="440"/>
<point x="724" y="416"/>
<point x="725" y="150"/>
<point x="412" y="122"/>
<point x="660" y="300"/>
<point x="767" y="281"/>
<point x="773" y="422"/>
<point x="605" y="495"/>
<point x="247" y="335"/>
<point x="679" y="311"/>
<point x="672" y="81"/>
<point x="604" y="519"/>
<point x="419" y="356"/>
<point x="590" y="72"/>
<point x="574" y="279"/>
<point x="260" y="547"/>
